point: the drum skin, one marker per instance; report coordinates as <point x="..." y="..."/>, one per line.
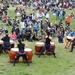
<point x="12" y="55"/>
<point x="69" y="38"/>
<point x="12" y="43"/>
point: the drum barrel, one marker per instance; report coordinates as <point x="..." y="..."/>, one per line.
<point x="48" y="52"/>
<point x="53" y="47"/>
<point x="12" y="55"/>
<point x="29" y="55"/>
<point x="13" y="52"/>
<point x="38" y="48"/>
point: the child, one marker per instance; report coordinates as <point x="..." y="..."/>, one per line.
<point x="14" y="36"/>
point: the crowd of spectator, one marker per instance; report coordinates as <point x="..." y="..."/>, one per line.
<point x="29" y="26"/>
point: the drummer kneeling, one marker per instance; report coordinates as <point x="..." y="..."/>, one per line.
<point x="21" y="52"/>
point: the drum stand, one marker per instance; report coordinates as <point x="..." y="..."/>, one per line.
<point x="68" y="44"/>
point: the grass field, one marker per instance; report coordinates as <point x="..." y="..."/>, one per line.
<point x="64" y="64"/>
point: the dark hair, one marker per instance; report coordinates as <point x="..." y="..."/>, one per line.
<point x="6" y="31"/>
<point x="20" y="41"/>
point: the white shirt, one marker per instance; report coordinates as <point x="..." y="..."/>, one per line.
<point x="33" y="17"/>
<point x="22" y="25"/>
<point x="47" y="15"/>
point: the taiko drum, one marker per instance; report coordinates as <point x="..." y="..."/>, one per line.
<point x="38" y="47"/>
<point x="14" y="51"/>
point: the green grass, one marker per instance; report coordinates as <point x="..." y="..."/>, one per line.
<point x="64" y="64"/>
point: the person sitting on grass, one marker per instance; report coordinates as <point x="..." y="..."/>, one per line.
<point x="2" y="30"/>
<point x="34" y="38"/>
<point x="20" y="36"/>
<point x="21" y="52"/>
<point x="60" y="37"/>
<point x="14" y="36"/>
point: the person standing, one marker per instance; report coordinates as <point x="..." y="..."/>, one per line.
<point x="21" y="52"/>
<point x="60" y="37"/>
<point x="68" y="20"/>
<point x="73" y="44"/>
<point x="47" y="46"/>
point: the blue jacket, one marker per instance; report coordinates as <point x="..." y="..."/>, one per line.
<point x="72" y="34"/>
<point x="36" y="27"/>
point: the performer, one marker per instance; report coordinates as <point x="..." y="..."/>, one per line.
<point x="21" y="52"/>
<point x="6" y="40"/>
<point x="47" y="46"/>
<point x="73" y="44"/>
